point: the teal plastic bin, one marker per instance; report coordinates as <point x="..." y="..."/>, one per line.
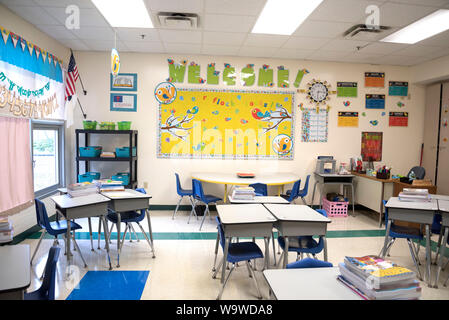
<point x="124" y="152"/>
<point x="123" y="178"/>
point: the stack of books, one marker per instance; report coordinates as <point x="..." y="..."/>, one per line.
<point x="374" y="278"/>
<point x="414" y="195"/>
<point x="243" y="193"/>
<point x="6" y="230"/>
<point x="107" y="185"/>
<point x="81" y="189"/>
<point x="106" y="154"/>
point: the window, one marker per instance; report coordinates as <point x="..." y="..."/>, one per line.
<point x="48" y="156"/>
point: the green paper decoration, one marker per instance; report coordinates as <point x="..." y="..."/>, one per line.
<point x="229" y="76"/>
<point x="299" y="77"/>
<point x="212" y="78"/>
<point x="176" y="72"/>
<point x="193" y="74"/>
<point x="283" y="78"/>
<point x="265" y="77"/>
<point x="248" y="76"/>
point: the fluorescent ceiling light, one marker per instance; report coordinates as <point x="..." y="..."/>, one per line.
<point x="424" y="28"/>
<point x="124" y="13"/>
<point x="284" y="16"/>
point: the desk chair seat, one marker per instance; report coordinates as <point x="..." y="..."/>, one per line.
<point x="182" y="193"/>
<point x="309" y="263"/>
<point x="238" y="252"/>
<point x="292" y="194"/>
<point x="260" y="189"/>
<point x="60" y="227"/>
<point x="47" y="289"/>
<point x="199" y="196"/>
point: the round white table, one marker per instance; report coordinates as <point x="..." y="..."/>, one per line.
<point x="271" y="179"/>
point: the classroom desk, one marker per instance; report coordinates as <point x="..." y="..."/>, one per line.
<point x="83" y="207"/>
<point x="418" y="212"/>
<point x="128" y="200"/>
<point x="324" y="179"/>
<point x="14" y="271"/>
<point x="298" y="220"/>
<point x="261" y="199"/>
<point x="245" y="220"/>
<point x="443" y="207"/>
<point x="271" y="179"/>
<point x="308" y="284"/>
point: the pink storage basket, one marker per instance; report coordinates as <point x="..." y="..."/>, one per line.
<point x="335" y="209"/>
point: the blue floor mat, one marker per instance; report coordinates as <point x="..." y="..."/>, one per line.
<point x="110" y="285"/>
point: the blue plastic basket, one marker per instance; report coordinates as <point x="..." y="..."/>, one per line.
<point x="123" y="178"/>
<point x="124" y="152"/>
<point x="90" y="152"/>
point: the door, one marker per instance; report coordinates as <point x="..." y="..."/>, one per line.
<point x="443" y="152"/>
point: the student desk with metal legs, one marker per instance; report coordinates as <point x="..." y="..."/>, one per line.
<point x="324" y="179"/>
<point x="418" y="212"/>
<point x="245" y="220"/>
<point x="308" y="284"/>
<point x="14" y="271"/>
<point x="298" y="220"/>
<point x="83" y="207"/>
<point x="443" y="207"/>
<point x="129" y="200"/>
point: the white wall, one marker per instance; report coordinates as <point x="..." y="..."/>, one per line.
<point x="431" y="71"/>
<point x="401" y="146"/>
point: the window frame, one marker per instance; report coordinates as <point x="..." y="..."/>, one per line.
<point x="59" y="127"/>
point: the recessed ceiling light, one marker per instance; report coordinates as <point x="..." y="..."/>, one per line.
<point x="284" y="16"/>
<point x="424" y="28"/>
<point x="124" y="14"/>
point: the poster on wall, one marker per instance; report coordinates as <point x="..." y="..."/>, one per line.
<point x="225" y="124"/>
<point x="124" y="82"/>
<point x="375" y="101"/>
<point x="347" y="89"/>
<point x="314" y="125"/>
<point x="398" y="88"/>
<point x="398" y="119"/>
<point x="123" y="102"/>
<point x="348" y="119"/>
<point x="371" y="146"/>
<point x="31" y="80"/>
<point x="375" y="79"/>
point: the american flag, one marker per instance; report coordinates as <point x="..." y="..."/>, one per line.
<point x="72" y="76"/>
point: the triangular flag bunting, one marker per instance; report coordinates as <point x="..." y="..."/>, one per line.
<point x="23" y="43"/>
<point x="44" y="55"/>
<point x="14" y="39"/>
<point x="5" y="34"/>
<point x="30" y="47"/>
<point x="38" y="51"/>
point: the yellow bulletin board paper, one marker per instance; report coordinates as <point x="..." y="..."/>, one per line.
<point x="227" y="124"/>
<point x="348" y="119"/>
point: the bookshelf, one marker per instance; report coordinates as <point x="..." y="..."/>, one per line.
<point x="132" y="160"/>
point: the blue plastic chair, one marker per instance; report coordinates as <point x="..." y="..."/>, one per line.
<point x="53" y="228"/>
<point x="47" y="289"/>
<point x="238" y="252"/>
<point x="403" y="232"/>
<point x="302" y="193"/>
<point x="182" y="193"/>
<point x="307" y="245"/>
<point x="292" y="194"/>
<point x="309" y="263"/>
<point x="128" y="218"/>
<point x="260" y="189"/>
<point x="199" y="196"/>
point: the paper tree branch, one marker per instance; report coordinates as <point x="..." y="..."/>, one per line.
<point x="175" y="126"/>
<point x="277" y="117"/>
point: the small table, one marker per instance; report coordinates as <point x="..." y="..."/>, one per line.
<point x="271" y="179"/>
<point x="308" y="284"/>
<point x="129" y="200"/>
<point x="324" y="179"/>
<point x="298" y="220"/>
<point x="443" y="206"/>
<point x="14" y="271"/>
<point x="245" y="220"/>
<point x="418" y="212"/>
<point x="261" y="199"/>
<point x="83" y="207"/>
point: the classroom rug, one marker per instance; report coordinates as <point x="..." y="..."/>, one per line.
<point x="110" y="285"/>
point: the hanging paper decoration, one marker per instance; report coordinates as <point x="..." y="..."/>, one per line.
<point x="229" y="75"/>
<point x="212" y="74"/>
<point x="283" y="75"/>
<point x="248" y="75"/>
<point x="346" y="103"/>
<point x="115" y="62"/>
<point x="299" y="77"/>
<point x="265" y="76"/>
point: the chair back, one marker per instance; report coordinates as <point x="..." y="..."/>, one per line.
<point x="260" y="189"/>
<point x="220" y="232"/>
<point x="197" y="189"/>
<point x="178" y="184"/>
<point x="322" y="212"/>
<point x="309" y="263"/>
<point x="419" y="172"/>
<point x="304" y="191"/>
<point x="47" y="288"/>
<point x="42" y="215"/>
<point x="142" y="212"/>
<point x="386" y="213"/>
<point x="295" y="191"/>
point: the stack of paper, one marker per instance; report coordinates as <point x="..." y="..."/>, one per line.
<point x="106" y="185"/>
<point x="6" y="230"/>
<point x="81" y="189"/>
<point x="374" y="278"/>
<point x="414" y="195"/>
<point x="105" y="154"/>
<point x="243" y="193"/>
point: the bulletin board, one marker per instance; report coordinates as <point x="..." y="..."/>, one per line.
<point x="227" y="124"/>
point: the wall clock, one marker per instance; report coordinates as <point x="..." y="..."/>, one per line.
<point x="318" y="91"/>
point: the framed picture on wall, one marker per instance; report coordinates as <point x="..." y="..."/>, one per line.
<point x="124" y="82"/>
<point x="123" y="102"/>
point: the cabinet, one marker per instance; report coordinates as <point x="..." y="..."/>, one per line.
<point x="131" y="160"/>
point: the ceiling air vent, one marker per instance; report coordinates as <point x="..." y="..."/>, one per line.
<point x="178" y="20"/>
<point x="365" y="32"/>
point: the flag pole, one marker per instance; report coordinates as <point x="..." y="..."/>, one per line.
<point x="82" y="111"/>
<point x="81" y="81"/>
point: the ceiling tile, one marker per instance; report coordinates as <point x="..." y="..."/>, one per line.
<point x="400" y="15"/>
<point x="247" y="51"/>
<point x="433" y="3"/>
<point x="178" y="36"/>
<point x="98" y="33"/>
<point x="78" y="45"/>
<point x="439" y="40"/>
<point x="145" y="46"/>
<point x="57" y="32"/>
<point x="322" y="29"/>
<point x="88" y="17"/>
<point x="185" y="6"/>
<point x="343" y="45"/>
<point x="284" y="53"/>
<point x="398" y="60"/>
<point x="235" y="7"/>
<point x="218" y="50"/>
<point x="417" y="50"/>
<point x="359" y="57"/>
<point x="383" y="47"/>
<point x="35" y="15"/>
<point x="230" y="23"/>
<point x="26" y="3"/>
<point x="135" y="34"/>
<point x="104" y="45"/>
<point x="322" y="55"/>
<point x="269" y="40"/>
<point x="223" y="38"/>
<point x="305" y="43"/>
<point x="182" y="48"/>
<point x="65" y="3"/>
